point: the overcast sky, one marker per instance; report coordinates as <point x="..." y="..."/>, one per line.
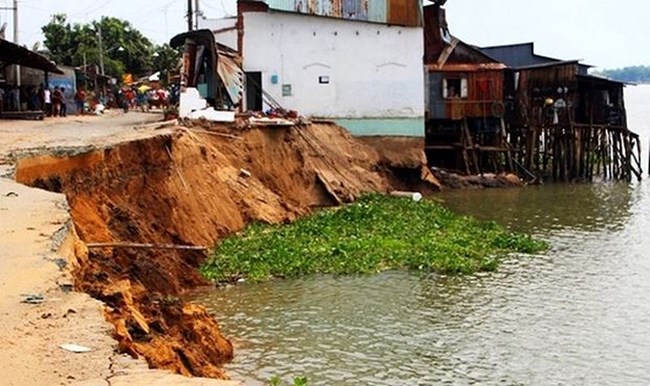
<point x="605" y="33"/>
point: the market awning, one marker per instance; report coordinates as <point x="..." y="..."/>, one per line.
<point x="11" y="53"/>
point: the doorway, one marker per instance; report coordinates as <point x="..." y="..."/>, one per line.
<point x="254" y="101"/>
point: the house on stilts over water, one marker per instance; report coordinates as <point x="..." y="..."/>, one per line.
<point x="392" y="68"/>
<point x="507" y="108"/>
<point x="465" y="129"/>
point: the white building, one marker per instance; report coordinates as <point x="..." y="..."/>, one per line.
<point x="356" y="62"/>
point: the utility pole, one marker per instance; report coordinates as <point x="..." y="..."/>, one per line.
<point x="197" y="14"/>
<point x="16" y="40"/>
<point x="101" y="47"/>
<point x="15" y="9"/>
<point x="190" y="15"/>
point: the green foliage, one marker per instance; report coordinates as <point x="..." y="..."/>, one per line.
<point x="125" y="49"/>
<point x="298" y="381"/>
<point x="634" y="74"/>
<point x="374" y="234"/>
<point x="166" y="59"/>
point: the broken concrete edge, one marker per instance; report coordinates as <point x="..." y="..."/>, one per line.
<point x="10" y="160"/>
<point x="53" y="151"/>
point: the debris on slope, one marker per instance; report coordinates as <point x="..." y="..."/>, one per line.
<point x="187" y="188"/>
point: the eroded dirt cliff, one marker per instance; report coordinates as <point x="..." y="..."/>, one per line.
<point x="193" y="187"/>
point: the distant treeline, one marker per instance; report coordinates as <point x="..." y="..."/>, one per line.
<point x="635" y="74"/>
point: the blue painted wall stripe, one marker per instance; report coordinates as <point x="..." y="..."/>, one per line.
<point x="407" y="127"/>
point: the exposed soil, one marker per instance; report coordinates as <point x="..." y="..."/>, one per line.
<point x="193" y="187"/>
<point x="179" y="185"/>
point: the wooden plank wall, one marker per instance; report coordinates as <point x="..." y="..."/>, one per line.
<point x="404" y="12"/>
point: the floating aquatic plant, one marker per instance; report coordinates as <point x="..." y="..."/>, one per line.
<point x="373" y="234"/>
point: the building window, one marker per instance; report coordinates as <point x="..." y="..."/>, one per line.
<point x="455" y="88"/>
<point x="324" y="79"/>
<point x="286" y="90"/>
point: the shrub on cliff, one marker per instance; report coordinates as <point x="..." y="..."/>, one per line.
<point x="373" y="234"/>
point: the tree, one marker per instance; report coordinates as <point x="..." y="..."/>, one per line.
<point x="166" y="59"/>
<point x="124" y="48"/>
<point x="137" y="51"/>
<point x="60" y="40"/>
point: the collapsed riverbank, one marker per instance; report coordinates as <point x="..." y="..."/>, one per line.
<point x="194" y="186"/>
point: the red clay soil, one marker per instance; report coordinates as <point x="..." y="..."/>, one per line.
<point x="192" y="188"/>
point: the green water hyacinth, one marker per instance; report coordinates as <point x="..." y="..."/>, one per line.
<point x="375" y="233"/>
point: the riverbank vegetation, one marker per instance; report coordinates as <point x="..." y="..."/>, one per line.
<point x="373" y="234"/>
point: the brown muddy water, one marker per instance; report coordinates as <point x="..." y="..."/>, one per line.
<point x="577" y="315"/>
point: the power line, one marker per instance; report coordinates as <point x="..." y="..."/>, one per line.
<point x="91" y="9"/>
<point x="223" y="9"/>
<point x="149" y="10"/>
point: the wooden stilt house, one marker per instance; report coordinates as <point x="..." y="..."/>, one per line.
<point x="464" y="116"/>
<point x="564" y="123"/>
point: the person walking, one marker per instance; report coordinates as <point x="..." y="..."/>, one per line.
<point x="80" y="101"/>
<point x="56" y="102"/>
<point x="41" y="97"/>
<point x="14" y="98"/>
<point x="47" y="99"/>
<point x="64" y="103"/>
<point x="34" y="100"/>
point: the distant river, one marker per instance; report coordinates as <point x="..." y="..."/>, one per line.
<point x="577" y="315"/>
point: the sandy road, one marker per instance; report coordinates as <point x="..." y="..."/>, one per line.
<point x="20" y="137"/>
<point x="36" y="240"/>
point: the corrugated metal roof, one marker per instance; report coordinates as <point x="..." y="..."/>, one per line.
<point x="231" y="75"/>
<point x="11" y="53"/>
<point x="599" y="79"/>
<point x="398" y="12"/>
<point x="377" y="11"/>
<point x="517" y="55"/>
<point x="469" y="67"/>
<point x="283" y="5"/>
<point x="355" y="9"/>
<point x="548" y="64"/>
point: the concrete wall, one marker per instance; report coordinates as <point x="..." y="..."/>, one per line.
<point x="228" y="37"/>
<point x="375" y="72"/>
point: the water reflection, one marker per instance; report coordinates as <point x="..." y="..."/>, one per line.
<point x="552" y="208"/>
<point x="576" y="315"/>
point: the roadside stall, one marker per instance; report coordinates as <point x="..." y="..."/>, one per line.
<point x="12" y="55"/>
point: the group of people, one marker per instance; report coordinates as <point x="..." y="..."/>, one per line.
<point x="131" y="98"/>
<point x="9" y="99"/>
<point x="52" y="101"/>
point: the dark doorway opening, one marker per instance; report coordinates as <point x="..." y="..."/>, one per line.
<point x="254" y="100"/>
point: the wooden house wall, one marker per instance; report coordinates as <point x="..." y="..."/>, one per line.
<point x="485" y="89"/>
<point x="538" y="85"/>
<point x="404" y="12"/>
<point x="600" y="103"/>
<point x="548" y="79"/>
